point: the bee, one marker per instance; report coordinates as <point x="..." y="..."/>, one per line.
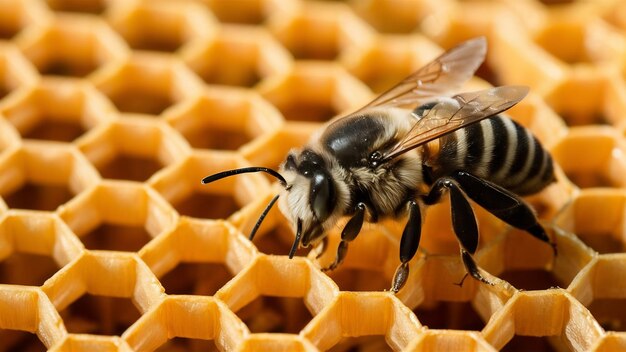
<point x="404" y="151"/>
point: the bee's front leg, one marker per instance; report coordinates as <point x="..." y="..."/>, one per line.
<point x="349" y="233"/>
<point x="408" y="245"/>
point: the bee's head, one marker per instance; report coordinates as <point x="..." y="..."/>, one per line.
<point x="312" y="196"/>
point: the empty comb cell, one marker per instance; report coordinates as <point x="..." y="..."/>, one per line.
<point x="589" y="96"/>
<point x="378" y="314"/>
<point x="198" y="257"/>
<point x="147" y="83"/>
<point x="592" y="156"/>
<point x="314" y="92"/>
<point x="574" y="37"/>
<point x="119" y="216"/>
<point x="72" y="46"/>
<point x="43" y="176"/>
<point x="319" y="31"/>
<point x="223" y="119"/>
<point x="189" y="317"/>
<point x="56" y="110"/>
<point x="95" y="7"/>
<point x="596" y="216"/>
<point x="162" y="26"/>
<point x="180" y="185"/>
<point x="600" y="287"/>
<point x="103" y="293"/>
<point x="34" y="246"/>
<point x="508" y="258"/>
<point x="133" y="149"/>
<point x="388" y="59"/>
<point x="238" y="56"/>
<point x="554" y="315"/>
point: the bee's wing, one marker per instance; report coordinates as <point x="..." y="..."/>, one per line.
<point x="442" y="75"/>
<point x="450" y="114"/>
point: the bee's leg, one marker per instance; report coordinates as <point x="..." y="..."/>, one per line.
<point x="408" y="245"/>
<point x="472" y="269"/>
<point x="505" y="205"/>
<point x="349" y="233"/>
<point x="463" y="223"/>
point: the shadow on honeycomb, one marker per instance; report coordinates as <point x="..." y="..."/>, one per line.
<point x="111" y="112"/>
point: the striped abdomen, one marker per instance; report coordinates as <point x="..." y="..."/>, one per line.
<point x="499" y="150"/>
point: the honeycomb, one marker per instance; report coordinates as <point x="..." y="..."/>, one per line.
<point x="129" y="104"/>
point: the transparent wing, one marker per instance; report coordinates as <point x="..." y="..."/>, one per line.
<point x="442" y="75"/>
<point x="450" y="114"/>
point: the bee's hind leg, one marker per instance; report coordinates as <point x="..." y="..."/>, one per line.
<point x="408" y="245"/>
<point x="463" y="223"/>
<point x="505" y="205"/>
<point x="349" y="233"/>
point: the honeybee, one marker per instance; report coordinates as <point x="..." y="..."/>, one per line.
<point x="407" y="148"/>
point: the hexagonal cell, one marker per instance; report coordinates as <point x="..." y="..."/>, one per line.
<point x="223" y="119"/>
<point x="440" y="303"/>
<point x="314" y="92"/>
<point x="529" y="264"/>
<point x="239" y="56"/>
<point x="56" y="110"/>
<point x="198" y="257"/>
<point x="611" y="342"/>
<point x="565" y="323"/>
<point x="273" y="300"/>
<point x="72" y="46"/>
<point x="517" y="60"/>
<point x="389" y="59"/>
<point x="249" y="12"/>
<point x="33" y="247"/>
<point x="449" y="340"/>
<point x="147" y="83"/>
<point x="596" y="216"/>
<point x="15" y="70"/>
<point x="319" y="31"/>
<point x="103" y="292"/>
<point x="370" y="263"/>
<point x="162" y="26"/>
<point x="573" y="37"/>
<point x="600" y="287"/>
<point x="43" y="176"/>
<point x="24" y="310"/>
<point x="181" y="186"/>
<point x="592" y="156"/>
<point x="16" y="15"/>
<point x="356" y="314"/>
<point x="119" y="216"/>
<point x="399" y="17"/>
<point x="187" y="344"/>
<point x="589" y="96"/>
<point x="271" y="150"/>
<point x="133" y="149"/>
<point x="206" y="320"/>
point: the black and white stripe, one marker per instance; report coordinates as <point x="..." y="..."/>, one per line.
<point x="499" y="150"/>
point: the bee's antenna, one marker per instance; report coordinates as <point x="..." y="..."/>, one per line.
<point x="244" y="170"/>
<point x="296" y="242"/>
<point x="262" y="217"/>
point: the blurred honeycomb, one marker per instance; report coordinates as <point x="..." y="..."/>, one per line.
<point x="111" y="111"/>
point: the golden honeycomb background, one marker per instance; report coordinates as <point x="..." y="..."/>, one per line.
<point x="113" y="110"/>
